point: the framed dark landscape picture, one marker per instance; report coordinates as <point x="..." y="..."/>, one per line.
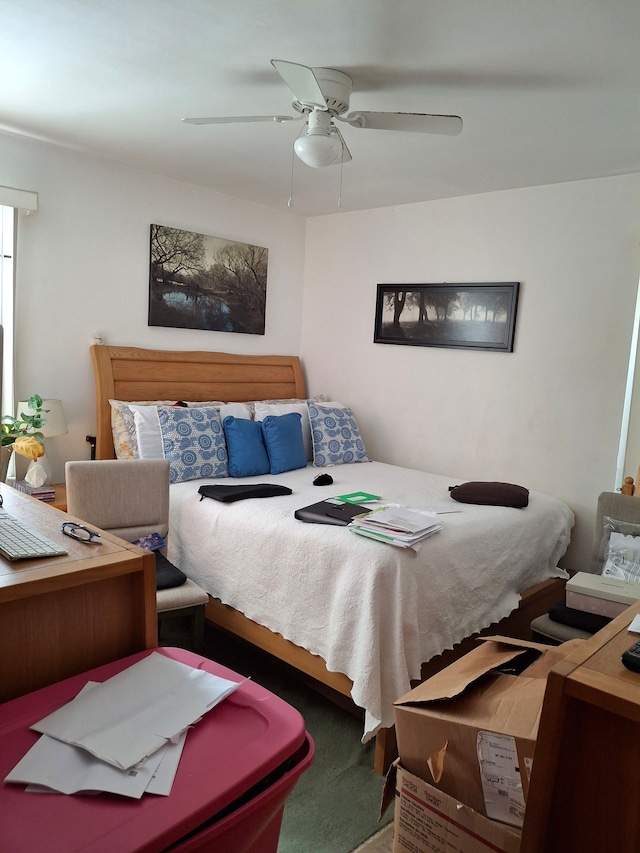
<point x="466" y="316"/>
<point x="202" y="282"/>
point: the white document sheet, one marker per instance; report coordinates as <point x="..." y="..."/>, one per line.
<point x="162" y="779"/>
<point x="69" y="769"/>
<point x="57" y="767"/>
<point x="136" y="712"/>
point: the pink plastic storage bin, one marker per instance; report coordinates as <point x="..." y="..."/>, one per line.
<point x="239" y="764"/>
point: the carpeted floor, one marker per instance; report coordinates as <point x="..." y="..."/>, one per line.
<point x="335" y="805"/>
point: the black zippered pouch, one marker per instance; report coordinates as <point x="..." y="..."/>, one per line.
<point x="229" y="494"/>
<point x="491" y="494"/>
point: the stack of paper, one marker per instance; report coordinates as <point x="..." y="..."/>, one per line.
<point x="124" y="736"/>
<point x="396" y="525"/>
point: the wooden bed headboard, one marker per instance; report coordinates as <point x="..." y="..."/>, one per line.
<point x="132" y="373"/>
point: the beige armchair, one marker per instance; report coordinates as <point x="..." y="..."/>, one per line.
<point x="130" y="499"/>
<point x="610" y="505"/>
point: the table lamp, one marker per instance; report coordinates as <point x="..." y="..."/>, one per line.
<point x="39" y="470"/>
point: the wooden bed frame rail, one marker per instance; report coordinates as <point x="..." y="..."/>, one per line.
<point x="534" y="602"/>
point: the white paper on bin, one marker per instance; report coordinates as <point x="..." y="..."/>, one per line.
<point x="136" y="712"/>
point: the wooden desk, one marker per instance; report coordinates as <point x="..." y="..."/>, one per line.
<point x="583" y="794"/>
<point x="60" y="616"/>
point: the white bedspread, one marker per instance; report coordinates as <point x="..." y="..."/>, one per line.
<point x="371" y="611"/>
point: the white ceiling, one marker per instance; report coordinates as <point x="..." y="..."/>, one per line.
<point x="548" y="90"/>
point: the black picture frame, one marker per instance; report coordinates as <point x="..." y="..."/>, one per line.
<point x="197" y="281"/>
<point x="480" y="316"/>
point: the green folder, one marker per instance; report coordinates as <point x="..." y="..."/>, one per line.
<point x="357" y="498"/>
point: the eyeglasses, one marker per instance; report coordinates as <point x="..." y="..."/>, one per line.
<point x="80" y="532"/>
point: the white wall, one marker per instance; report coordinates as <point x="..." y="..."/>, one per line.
<point x="84" y="266"/>
<point x="546" y="416"/>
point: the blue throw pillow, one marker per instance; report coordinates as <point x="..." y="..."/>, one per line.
<point x="245" y="447"/>
<point x="285" y="444"/>
<point x="336" y="436"/>
<point x="193" y="442"/>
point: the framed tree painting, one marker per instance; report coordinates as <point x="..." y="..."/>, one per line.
<point x="466" y="316"/>
<point x="202" y="282"/>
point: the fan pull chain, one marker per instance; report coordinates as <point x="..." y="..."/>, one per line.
<point x="340" y="188"/>
<point x="293" y="160"/>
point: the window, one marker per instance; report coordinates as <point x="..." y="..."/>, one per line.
<point x="12" y="203"/>
<point x="7" y="254"/>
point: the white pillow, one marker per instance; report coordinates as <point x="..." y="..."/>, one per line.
<point x="319" y="398"/>
<point x="148" y="431"/>
<point x="124" y="428"/>
<point x="262" y="410"/>
<point x="236" y="410"/>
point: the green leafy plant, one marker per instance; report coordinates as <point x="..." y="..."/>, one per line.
<point x="24" y="432"/>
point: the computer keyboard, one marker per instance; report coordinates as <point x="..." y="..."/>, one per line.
<point x="17" y="542"/>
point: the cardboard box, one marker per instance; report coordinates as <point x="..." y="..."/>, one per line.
<point x="600" y="594"/>
<point x="471" y="732"/>
<point x="428" y="821"/>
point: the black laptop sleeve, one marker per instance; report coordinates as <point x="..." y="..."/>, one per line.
<point x="228" y="494"/>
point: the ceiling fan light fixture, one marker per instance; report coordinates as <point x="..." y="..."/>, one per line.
<point x="322" y="95"/>
<point x="317" y="149"/>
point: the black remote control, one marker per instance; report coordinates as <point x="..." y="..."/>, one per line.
<point x="631" y="658"/>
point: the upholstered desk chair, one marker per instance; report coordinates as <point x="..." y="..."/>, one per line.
<point x="130" y="499"/>
<point x="610" y="505"/>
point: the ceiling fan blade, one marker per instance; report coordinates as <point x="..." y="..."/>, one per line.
<point x="237" y="119"/>
<point x="412" y="122"/>
<point x="302" y="82"/>
<point x="346" y="154"/>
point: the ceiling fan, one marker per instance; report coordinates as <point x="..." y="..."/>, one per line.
<point x="322" y="96"/>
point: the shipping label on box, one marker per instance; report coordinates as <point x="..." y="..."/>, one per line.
<point x="427" y="820"/>
<point x="500" y="777"/>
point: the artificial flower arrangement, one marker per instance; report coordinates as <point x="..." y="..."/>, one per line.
<point x="23" y="434"/>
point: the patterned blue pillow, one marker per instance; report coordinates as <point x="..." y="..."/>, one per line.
<point x="335" y="434"/>
<point x="193" y="442"/>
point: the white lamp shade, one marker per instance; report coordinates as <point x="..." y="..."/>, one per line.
<point x="318" y="150"/>
<point x="55" y="421"/>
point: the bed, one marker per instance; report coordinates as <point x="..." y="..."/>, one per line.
<point x="364" y="618"/>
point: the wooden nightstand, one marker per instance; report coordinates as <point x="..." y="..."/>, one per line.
<point x="60" y="500"/>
